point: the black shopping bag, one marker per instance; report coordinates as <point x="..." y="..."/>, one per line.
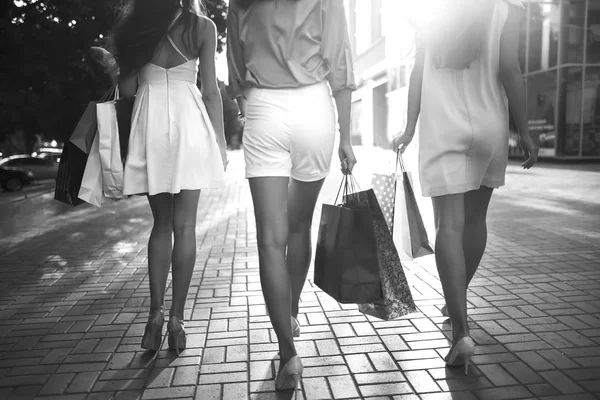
<point x="70" y="173"/>
<point x="346" y="262"/>
<point x="396" y="300"/>
<point x="124" y="107"/>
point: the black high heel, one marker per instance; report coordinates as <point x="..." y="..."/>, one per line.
<point x="153" y="332"/>
<point x="177" y="337"/>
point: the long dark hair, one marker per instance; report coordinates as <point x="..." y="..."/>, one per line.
<point x="142" y="24"/>
<point x="455" y="38"/>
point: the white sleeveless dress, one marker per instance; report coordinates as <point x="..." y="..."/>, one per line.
<point x="172" y="146"/>
<point x="463" y="128"/>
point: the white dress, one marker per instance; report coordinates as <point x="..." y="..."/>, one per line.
<point x="463" y="131"/>
<point x="172" y="146"/>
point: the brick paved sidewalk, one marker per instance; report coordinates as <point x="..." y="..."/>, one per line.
<point x="74" y="301"/>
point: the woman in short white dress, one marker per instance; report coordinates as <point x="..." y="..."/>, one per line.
<point x="289" y="61"/>
<point x="177" y="145"/>
<point x="465" y="78"/>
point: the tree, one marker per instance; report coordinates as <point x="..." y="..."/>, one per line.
<point x="45" y="81"/>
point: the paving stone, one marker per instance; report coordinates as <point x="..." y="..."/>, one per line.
<point x="561" y="382"/>
<point x="386" y="389"/>
<point x="316" y="388"/>
<point x="83" y="382"/>
<point x="158" y="377"/>
<point x="504" y="393"/>
<point x="534" y="308"/>
<point x="422" y="382"/>
<point x="166" y="393"/>
<point x="342" y="387"/>
<point x="57" y="384"/>
<point x="497" y="375"/>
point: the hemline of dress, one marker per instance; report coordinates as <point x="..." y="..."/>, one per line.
<point x="146" y="192"/>
<point x="444" y="190"/>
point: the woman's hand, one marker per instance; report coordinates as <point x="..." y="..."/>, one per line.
<point x="530" y="149"/>
<point x="402" y="140"/>
<point x="347" y="157"/>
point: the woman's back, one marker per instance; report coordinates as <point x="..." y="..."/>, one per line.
<point x="173" y="50"/>
<point x="464" y="117"/>
<point x="472" y="97"/>
<point x="171" y="129"/>
<point x="288" y="44"/>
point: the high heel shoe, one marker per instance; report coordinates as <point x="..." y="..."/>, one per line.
<point x="460" y="354"/>
<point x="295" y="327"/>
<point x="153" y="331"/>
<point x="444" y="311"/>
<point x="177" y="338"/>
<point x="290" y="375"/>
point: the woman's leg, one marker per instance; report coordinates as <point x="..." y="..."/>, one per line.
<point x="160" y="248"/>
<point x="475" y="233"/>
<point x="270" y="197"/>
<point x="449" y="214"/>
<point x="185" y="208"/>
<point x="302" y="197"/>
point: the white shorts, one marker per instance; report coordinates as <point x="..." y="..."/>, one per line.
<point x="289" y="132"/>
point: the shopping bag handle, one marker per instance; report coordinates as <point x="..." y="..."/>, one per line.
<point x="399" y="162"/>
<point x="114" y="91"/>
<point x="350" y="184"/>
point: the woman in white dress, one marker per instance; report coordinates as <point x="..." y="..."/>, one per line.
<point x="177" y="144"/>
<point x="465" y="78"/>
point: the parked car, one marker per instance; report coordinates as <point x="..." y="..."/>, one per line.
<point x="40" y="168"/>
<point x="52" y="153"/>
<point x="12" y="179"/>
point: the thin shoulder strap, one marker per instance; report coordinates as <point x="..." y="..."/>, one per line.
<point x="170" y="39"/>
<point x="177" y="15"/>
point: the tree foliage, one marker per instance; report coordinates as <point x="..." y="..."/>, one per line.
<point x="45" y="80"/>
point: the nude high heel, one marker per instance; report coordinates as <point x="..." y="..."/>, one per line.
<point x="153" y="332"/>
<point x="177" y="337"/>
<point x="444" y="311"/>
<point x="460" y="354"/>
<point x="290" y="375"/>
<point x="295" y="327"/>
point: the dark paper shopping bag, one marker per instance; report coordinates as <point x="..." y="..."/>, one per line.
<point x="396" y="300"/>
<point x="346" y="262"/>
<point x="70" y="174"/>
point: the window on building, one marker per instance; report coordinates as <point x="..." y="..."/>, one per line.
<point x="574" y="30"/>
<point x="593" y="35"/>
<point x="544" y="31"/>
<point x="541" y="109"/>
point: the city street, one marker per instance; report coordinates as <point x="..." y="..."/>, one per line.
<point x="74" y="301"/>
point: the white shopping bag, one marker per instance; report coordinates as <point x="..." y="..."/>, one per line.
<point x="91" y="184"/>
<point x="110" y="149"/>
<point x="402" y="227"/>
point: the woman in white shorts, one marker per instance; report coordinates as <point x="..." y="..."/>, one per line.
<point x="288" y="61"/>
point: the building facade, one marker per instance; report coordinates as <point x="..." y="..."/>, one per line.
<point x="559" y="55"/>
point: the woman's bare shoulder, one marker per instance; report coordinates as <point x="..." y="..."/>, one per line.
<point x="205" y="28"/>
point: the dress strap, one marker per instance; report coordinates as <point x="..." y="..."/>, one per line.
<point x="170" y="39"/>
<point x="177" y="15"/>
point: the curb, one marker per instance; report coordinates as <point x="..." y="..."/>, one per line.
<point x="24" y="195"/>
